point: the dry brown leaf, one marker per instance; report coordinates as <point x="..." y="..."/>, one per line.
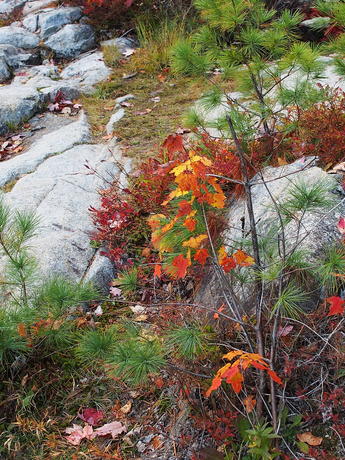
<point x="309" y="438"/>
<point x="156" y="443"/>
<point x="249" y="403"/>
<point x="126" y="408"/>
<point x="140" y="318"/>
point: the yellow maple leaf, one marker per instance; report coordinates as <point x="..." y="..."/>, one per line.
<point x="194" y="242"/>
<point x="218" y="200"/>
<point x="203" y="160"/>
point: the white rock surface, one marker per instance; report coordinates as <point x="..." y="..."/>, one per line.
<point x="50" y="144"/>
<point x="60" y="191"/>
<point x="8" y="6"/>
<point x="50" y="20"/>
<point x="317" y="232"/>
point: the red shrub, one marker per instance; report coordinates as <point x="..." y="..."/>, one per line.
<point x="321" y="130"/>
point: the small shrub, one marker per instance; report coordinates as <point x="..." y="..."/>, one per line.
<point x="321" y="130"/>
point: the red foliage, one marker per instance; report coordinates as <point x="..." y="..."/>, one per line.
<point x="102" y="12"/>
<point x="220" y="427"/>
<point x="121" y="220"/>
<point x="321" y="130"/>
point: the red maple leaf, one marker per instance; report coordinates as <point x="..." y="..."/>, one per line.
<point x="184" y="208"/>
<point x="201" y="256"/>
<point x="337" y="305"/>
<point x="92" y="416"/>
<point x="341" y="225"/>
<point x="228" y="264"/>
<point x="181" y="263"/>
<point x="173" y="143"/>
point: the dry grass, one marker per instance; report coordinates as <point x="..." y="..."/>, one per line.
<point x="141" y="133"/>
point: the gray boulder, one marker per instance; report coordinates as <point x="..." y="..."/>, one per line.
<point x="87" y="70"/>
<point x="16" y="57"/>
<point x="51" y="20"/>
<point x="18" y="104"/>
<point x="18" y="36"/>
<point x="5" y="72"/>
<point x="121" y="43"/>
<point x="115" y="118"/>
<point x="72" y="40"/>
<point x="316" y="231"/>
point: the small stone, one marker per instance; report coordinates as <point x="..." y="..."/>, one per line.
<point x="115" y="118"/>
<point x="5" y="72"/>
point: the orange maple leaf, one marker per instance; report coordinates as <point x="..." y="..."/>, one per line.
<point x="243" y="259"/>
<point x="158" y="270"/>
<point x="181" y="264"/>
<point x="232" y="372"/>
<point x="21" y="328"/>
<point x="190" y="224"/>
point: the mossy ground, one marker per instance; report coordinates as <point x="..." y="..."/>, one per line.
<point x="149" y="120"/>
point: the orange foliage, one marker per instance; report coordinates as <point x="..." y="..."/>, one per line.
<point x="233" y="371"/>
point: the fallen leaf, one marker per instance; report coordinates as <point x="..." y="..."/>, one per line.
<point x="140" y="318"/>
<point x="78" y="433"/>
<point x="142" y="112"/>
<point x="114" y="291"/>
<point x="126" y="104"/>
<point x="309" y="438"/>
<point x="137" y="309"/>
<point x="337" y="305"/>
<point x="98" y="311"/>
<point x="341" y="226"/>
<point x="113" y="428"/>
<point x="284" y="331"/>
<point x="126" y="408"/>
<point x="91" y="416"/>
<point x="156" y="443"/>
<point x="155" y="99"/>
<point x="249" y="403"/>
